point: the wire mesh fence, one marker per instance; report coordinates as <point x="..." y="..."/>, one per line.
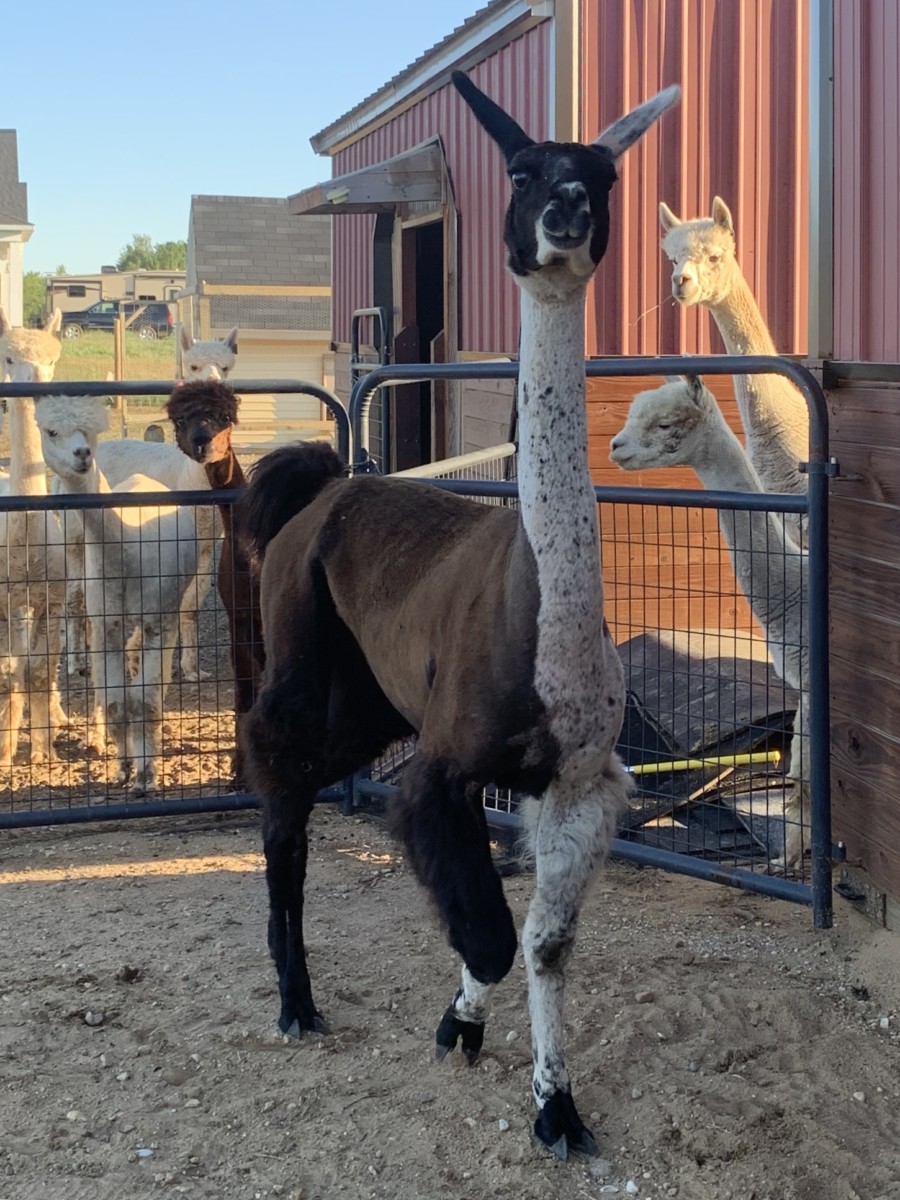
<point x="117" y="686"/>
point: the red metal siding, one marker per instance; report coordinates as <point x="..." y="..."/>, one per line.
<point x="741" y="131"/>
<point x="866" y="180"/>
<point x="518" y="78"/>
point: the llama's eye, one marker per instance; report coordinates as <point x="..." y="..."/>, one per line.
<point x="9" y="361"/>
<point x="51" y="433"/>
<point x="194" y="367"/>
<point x="664" y="425"/>
<point x="714" y="258"/>
<point x="519" y="180"/>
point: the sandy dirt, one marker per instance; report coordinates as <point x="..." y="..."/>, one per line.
<point x="720" y="1048"/>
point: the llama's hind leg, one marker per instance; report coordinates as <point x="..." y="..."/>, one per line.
<point x="440" y="819"/>
<point x="574" y="828"/>
<point x="41" y="685"/>
<point x="189" y="619"/>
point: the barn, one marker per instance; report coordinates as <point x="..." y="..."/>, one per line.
<point x="249" y="265"/>
<point x="785" y="113"/>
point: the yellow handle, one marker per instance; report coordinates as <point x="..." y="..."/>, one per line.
<point x="693" y="764"/>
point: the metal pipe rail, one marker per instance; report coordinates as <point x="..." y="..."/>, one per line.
<point x="163" y="387"/>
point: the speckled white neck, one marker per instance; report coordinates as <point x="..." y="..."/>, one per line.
<point x="559" y="512"/>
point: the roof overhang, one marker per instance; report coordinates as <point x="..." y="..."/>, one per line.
<point x="491" y="27"/>
<point x="416" y="175"/>
<point x="12" y="232"/>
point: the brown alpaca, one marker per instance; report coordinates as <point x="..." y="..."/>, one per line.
<point x="203" y="414"/>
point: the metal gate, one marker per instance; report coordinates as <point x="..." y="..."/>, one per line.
<point x="693" y="823"/>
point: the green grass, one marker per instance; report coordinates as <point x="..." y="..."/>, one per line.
<point x="90" y="357"/>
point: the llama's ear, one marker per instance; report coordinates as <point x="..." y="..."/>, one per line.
<point x="186" y="336"/>
<point x="667" y="218"/>
<point x="5" y="325"/>
<point x="509" y="136"/>
<point x="231" y="339"/>
<point x="625" y="132"/>
<point x="695" y="387"/>
<point x="721" y="214"/>
<point x="54" y="324"/>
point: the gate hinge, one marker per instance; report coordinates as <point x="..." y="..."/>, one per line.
<point x="831" y="468"/>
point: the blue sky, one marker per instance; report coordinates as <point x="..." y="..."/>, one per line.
<point x="124" y="112"/>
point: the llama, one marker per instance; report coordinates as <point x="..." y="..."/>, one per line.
<point x="773" y="412"/>
<point x="203" y="361"/>
<point x="680" y="424"/>
<point x="203" y="415"/>
<point x="137" y="565"/>
<point x="32" y="557"/>
<point x="389" y="606"/>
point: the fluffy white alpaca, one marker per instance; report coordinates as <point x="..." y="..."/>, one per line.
<point x="212" y="360"/>
<point x="773" y="412"/>
<point x="121" y="458"/>
<point x="138" y="563"/>
<point x="680" y="424"/>
<point x="32" y="557"/>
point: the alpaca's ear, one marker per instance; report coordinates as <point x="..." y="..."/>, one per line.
<point x="721" y="214"/>
<point x="54" y="324"/>
<point x="231" y="339"/>
<point x="667" y="218"/>
<point x="617" y="138"/>
<point x="5" y="325"/>
<point x="509" y="136"/>
<point x="186" y="336"/>
<point x="695" y="387"/>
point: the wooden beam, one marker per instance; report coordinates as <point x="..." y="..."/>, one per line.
<point x="264" y="289"/>
<point x="413" y="176"/>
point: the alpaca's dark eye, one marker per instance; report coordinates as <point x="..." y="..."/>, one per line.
<point x="664" y="425"/>
<point x="519" y="180"/>
<point x="51" y="433"/>
<point x="194" y="367"/>
<point x="714" y="258"/>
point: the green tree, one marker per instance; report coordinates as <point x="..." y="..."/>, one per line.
<point x="142" y="253"/>
<point x="34" y="299"/>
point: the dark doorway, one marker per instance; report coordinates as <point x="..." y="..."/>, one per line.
<point x="420" y="339"/>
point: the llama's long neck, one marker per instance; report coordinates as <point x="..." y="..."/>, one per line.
<point x="773" y="412"/>
<point x="558" y="507"/>
<point x="766" y="562"/>
<point x="227" y="474"/>
<point x="27" y="469"/>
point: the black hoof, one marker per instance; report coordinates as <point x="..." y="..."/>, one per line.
<point x="296" y="1028"/>
<point x="561" y="1130"/>
<point x="451" y="1030"/>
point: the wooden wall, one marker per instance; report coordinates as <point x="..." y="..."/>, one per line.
<point x="664" y="568"/>
<point x="864" y="538"/>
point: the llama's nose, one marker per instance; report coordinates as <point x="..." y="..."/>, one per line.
<point x="83" y="455"/>
<point x="680" y="278"/>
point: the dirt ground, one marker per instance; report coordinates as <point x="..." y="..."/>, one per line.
<point x="719" y="1047"/>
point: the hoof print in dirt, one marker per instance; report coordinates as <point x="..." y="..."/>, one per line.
<point x="561" y="1130"/>
<point x="451" y="1030"/>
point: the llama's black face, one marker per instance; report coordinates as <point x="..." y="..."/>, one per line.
<point x="558" y="214"/>
<point x="558" y="218"/>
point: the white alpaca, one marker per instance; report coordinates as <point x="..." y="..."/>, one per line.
<point x="680" y="424"/>
<point x="32" y="558"/>
<point x="774" y="413"/>
<point x="121" y="458"/>
<point x="138" y="563"/>
<point x="205" y="361"/>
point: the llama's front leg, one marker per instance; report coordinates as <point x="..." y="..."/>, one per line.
<point x="189" y="619"/>
<point x="146" y="699"/>
<point x="40" y="689"/>
<point x="441" y="822"/>
<point x="797" y="807"/>
<point x="16" y="636"/>
<point x="573" y="831"/>
<point x="108" y="670"/>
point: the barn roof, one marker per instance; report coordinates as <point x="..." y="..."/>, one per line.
<point x="13" y="194"/>
<point x="255" y="240"/>
<point x="495" y="24"/>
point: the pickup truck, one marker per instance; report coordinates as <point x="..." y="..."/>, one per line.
<point x="147" y="318"/>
